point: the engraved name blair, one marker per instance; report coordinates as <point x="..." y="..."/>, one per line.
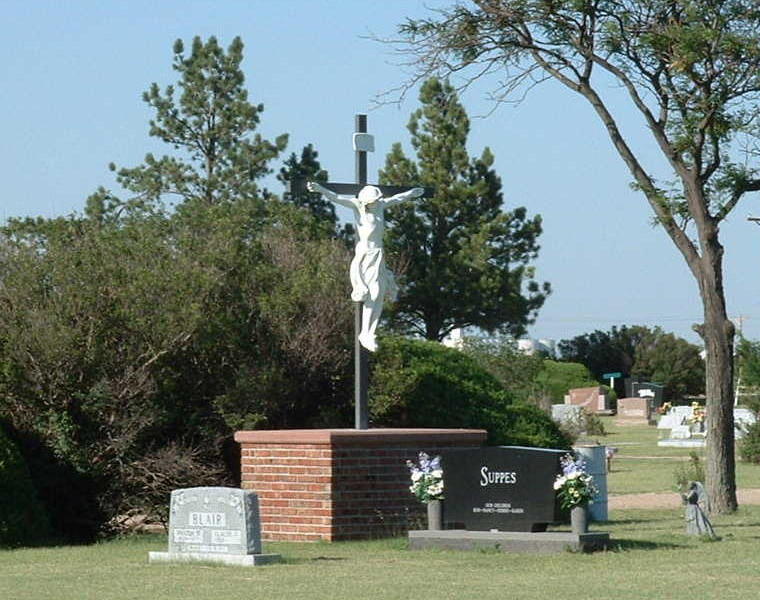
<point x="488" y="477"/>
<point x="207" y="519"/>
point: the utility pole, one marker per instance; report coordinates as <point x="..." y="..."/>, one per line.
<point x="739" y="322"/>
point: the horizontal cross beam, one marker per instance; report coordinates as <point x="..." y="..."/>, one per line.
<point x="298" y="186"/>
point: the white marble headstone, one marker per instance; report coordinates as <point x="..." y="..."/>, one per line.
<point x="680" y="432"/>
<point x="567" y="413"/>
<point x="676" y="416"/>
<point x="743" y="418"/>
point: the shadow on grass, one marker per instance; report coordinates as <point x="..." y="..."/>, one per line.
<point x="617" y="545"/>
<point x="304" y="560"/>
<point x="642" y="522"/>
<point x="729" y="524"/>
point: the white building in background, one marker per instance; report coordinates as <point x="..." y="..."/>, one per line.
<point x="528" y="346"/>
<point x="455" y="339"/>
<point x="531" y="346"/>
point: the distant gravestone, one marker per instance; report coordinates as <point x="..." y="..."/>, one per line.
<point x="214" y="524"/>
<point x="636" y="409"/>
<point x="743" y="418"/>
<point x="680" y="432"/>
<point x="503" y="488"/>
<point x="676" y="416"/>
<point x="591" y="399"/>
<point x="567" y="414"/>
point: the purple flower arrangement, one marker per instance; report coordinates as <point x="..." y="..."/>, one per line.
<point x="427" y="478"/>
<point x="575" y="487"/>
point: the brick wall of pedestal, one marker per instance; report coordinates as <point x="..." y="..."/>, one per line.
<point x="337" y="484"/>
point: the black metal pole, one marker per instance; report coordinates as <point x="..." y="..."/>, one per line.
<point x="361" y="354"/>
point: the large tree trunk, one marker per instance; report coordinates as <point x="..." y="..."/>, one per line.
<point x="718" y="335"/>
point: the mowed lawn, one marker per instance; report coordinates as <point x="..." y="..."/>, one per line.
<point x="640" y="465"/>
<point x="651" y="558"/>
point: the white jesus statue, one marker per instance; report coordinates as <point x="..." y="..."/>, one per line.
<point x="372" y="281"/>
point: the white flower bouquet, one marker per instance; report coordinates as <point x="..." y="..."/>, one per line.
<point x="427" y="478"/>
<point x="574" y="486"/>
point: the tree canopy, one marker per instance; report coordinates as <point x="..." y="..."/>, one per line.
<point x="135" y="339"/>
<point x="308" y="167"/>
<point x="465" y="259"/>
<point x="671" y="361"/>
<point x="641" y="351"/>
<point x="209" y="121"/>
<point x="604" y="351"/>
<point x="691" y="72"/>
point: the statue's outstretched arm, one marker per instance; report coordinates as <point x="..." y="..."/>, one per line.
<point x="408" y="195"/>
<point x="347" y="201"/>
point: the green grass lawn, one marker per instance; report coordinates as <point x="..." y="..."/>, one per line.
<point x="653" y="558"/>
<point x="640" y="465"/>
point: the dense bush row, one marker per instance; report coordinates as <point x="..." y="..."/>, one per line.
<point x="122" y="342"/>
<point x="424" y="384"/>
<point x="132" y="351"/>
<point x="23" y="520"/>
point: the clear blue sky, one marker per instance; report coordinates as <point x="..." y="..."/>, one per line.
<point x="73" y="73"/>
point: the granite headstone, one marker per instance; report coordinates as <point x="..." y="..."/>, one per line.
<point x="214" y="524"/>
<point x="502" y="488"/>
<point x="633" y="408"/>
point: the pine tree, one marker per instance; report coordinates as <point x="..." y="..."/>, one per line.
<point x="309" y="168"/>
<point x="209" y="120"/>
<point x="465" y="260"/>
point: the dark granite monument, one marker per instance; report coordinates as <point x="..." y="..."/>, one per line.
<point x="503" y="488"/>
<point x="503" y="498"/>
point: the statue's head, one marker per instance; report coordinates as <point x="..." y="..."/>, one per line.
<point x="369" y="194"/>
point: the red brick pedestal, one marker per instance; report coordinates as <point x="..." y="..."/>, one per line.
<point x="338" y="484"/>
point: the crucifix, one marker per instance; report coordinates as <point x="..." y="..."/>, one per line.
<point x="371" y="280"/>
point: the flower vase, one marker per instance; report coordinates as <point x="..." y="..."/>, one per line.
<point x="435" y="515"/>
<point x="579" y="519"/>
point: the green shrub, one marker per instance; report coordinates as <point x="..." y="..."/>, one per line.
<point x="612" y="396"/>
<point x="594" y="425"/>
<point x="558" y="378"/>
<point x="515" y="370"/>
<point x="693" y="470"/>
<point x="23" y="521"/>
<point x="424" y="384"/>
<point x="749" y="445"/>
<point x="528" y="425"/>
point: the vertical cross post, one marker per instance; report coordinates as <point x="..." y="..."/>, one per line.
<point x="361" y="354"/>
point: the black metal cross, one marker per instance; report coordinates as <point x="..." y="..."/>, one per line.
<point x="363" y="143"/>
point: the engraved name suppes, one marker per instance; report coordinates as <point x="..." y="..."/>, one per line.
<point x="491" y="477"/>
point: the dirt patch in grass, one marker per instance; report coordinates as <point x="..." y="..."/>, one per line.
<point x="669" y="500"/>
